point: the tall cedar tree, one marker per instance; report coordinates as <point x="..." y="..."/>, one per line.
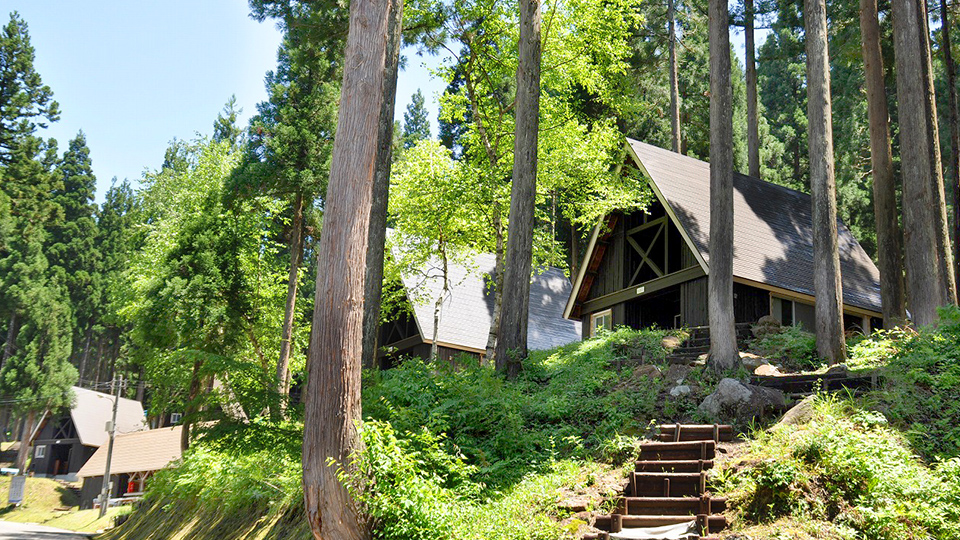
<point x="292" y="136"/>
<point x="753" y="122"/>
<point x="416" y="124"/>
<point x="377" y="238"/>
<point x="674" y="79"/>
<point x="73" y="248"/>
<point x="919" y="150"/>
<point x="332" y="401"/>
<point x="889" y="236"/>
<point x="512" y="333"/>
<point x="25" y="102"/>
<point x="723" y="336"/>
<point x="826" y="257"/>
<point x="951" y="70"/>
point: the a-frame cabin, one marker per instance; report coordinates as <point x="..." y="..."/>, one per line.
<point x="650" y="268"/>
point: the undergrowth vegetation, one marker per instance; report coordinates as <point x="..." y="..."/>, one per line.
<point x="464" y="454"/>
<point x="884" y="465"/>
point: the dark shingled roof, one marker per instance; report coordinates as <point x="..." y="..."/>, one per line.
<point x="468" y="311"/>
<point x="773" y="237"/>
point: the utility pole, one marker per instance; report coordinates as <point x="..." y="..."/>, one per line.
<point x="112" y="428"/>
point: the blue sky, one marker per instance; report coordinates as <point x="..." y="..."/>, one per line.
<point x="133" y="75"/>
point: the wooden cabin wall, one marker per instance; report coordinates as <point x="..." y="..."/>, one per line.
<point x="609" y="277"/>
<point x="693" y="302"/>
<point x="750" y="303"/>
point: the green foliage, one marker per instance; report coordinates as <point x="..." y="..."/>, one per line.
<point x="794" y="348"/>
<point x="25" y="102"/>
<point x="568" y="402"/>
<point x="416" y="124"/>
<point x="849" y="467"/>
<point x="922" y="385"/>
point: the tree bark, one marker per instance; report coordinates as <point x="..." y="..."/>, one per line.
<point x="674" y="84"/>
<point x="947" y="285"/>
<point x="332" y="399"/>
<point x="951" y="69"/>
<point x="373" y="282"/>
<point x="753" y="126"/>
<point x="889" y="239"/>
<point x="723" y="336"/>
<point x="193" y="394"/>
<point x="290" y="309"/>
<point x="85" y="355"/>
<point x="512" y="335"/>
<point x="823" y="188"/>
<point x="26" y="439"/>
<point x="11" y="343"/>
<point x="919" y="168"/>
<point x="498" y="257"/>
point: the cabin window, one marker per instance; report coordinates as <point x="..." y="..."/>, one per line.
<point x="175" y="418"/>
<point x="601" y="320"/>
<point x="40" y="451"/>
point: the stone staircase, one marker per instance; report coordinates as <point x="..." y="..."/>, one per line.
<point x="668" y="487"/>
<point x="699" y="343"/>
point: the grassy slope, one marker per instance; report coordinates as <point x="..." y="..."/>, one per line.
<point x="467" y="455"/>
<point x="48" y="503"/>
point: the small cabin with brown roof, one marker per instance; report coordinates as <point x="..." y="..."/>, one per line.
<point x="650" y="268"/>
<point x="136" y="457"/>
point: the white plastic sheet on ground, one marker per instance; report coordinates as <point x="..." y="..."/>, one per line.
<point x="680" y="531"/>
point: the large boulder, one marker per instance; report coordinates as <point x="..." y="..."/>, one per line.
<point x="733" y="399"/>
<point x="765" y="326"/>
<point x="801" y="413"/>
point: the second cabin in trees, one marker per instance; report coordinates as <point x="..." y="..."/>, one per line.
<point x="650" y="268"/>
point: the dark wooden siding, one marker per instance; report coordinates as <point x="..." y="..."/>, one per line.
<point x="610" y="273"/>
<point x="750" y="303"/>
<point x="693" y="302"/>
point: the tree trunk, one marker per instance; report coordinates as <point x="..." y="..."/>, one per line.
<point x="332" y="399"/>
<point x="191" y="409"/>
<point x="889" y="239"/>
<point x="674" y="85"/>
<point x="26" y="439"/>
<point x="438" y="306"/>
<point x="97" y="375"/>
<point x="290" y="309"/>
<point x="723" y="336"/>
<point x="919" y="169"/>
<point x="753" y="126"/>
<point x="954" y="136"/>
<point x="11" y="343"/>
<point x="498" y="257"/>
<point x="85" y="355"/>
<point x="823" y="188"/>
<point x="373" y="282"/>
<point x="947" y="285"/>
<point x="512" y="335"/>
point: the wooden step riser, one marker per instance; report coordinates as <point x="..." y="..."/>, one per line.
<point x="673" y="506"/>
<point x="722" y="432"/>
<point x="685" y="466"/>
<point x="667" y="484"/>
<point x="618" y="522"/>
<point x="705" y="452"/>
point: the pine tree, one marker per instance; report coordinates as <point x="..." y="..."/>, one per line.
<point x="73" y="249"/>
<point x="416" y="125"/>
<point x="25" y="102"/>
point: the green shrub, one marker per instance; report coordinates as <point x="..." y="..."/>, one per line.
<point x="793" y="348"/>
<point x="923" y="385"/>
<point x="849" y="467"/>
